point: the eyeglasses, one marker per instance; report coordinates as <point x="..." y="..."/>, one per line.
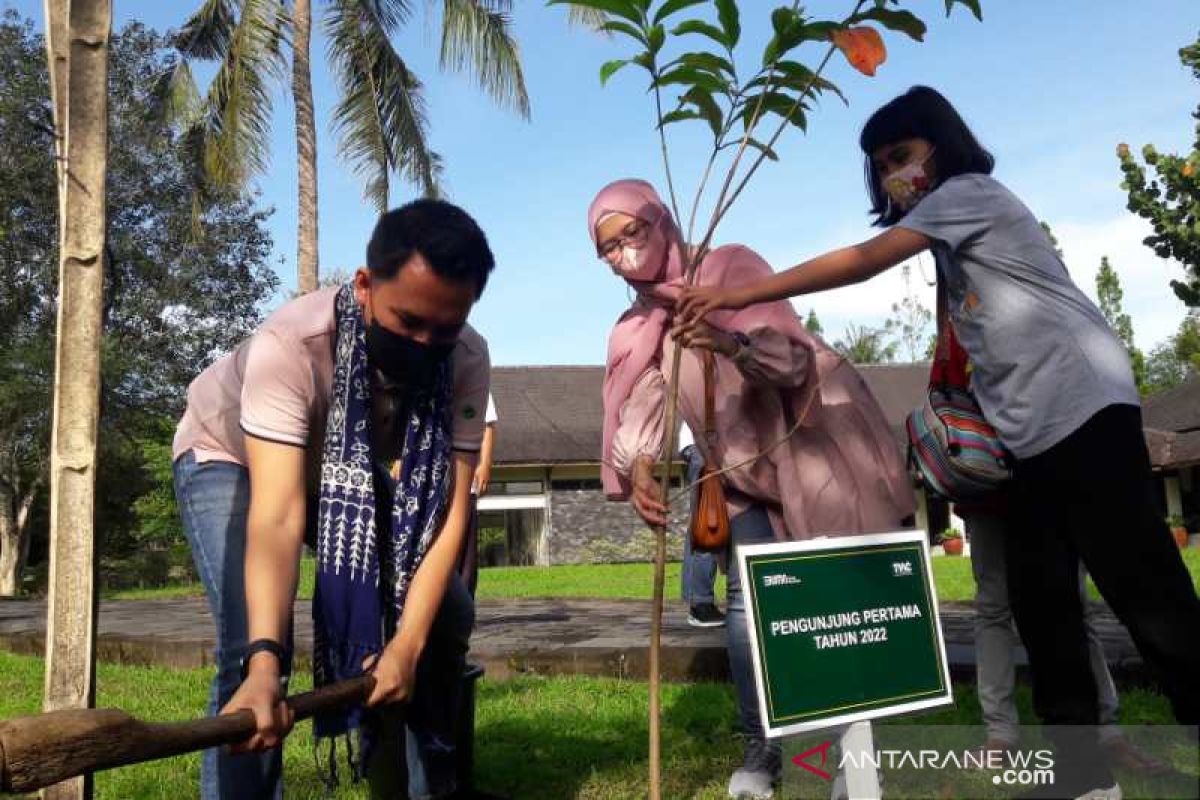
<point x="635" y="234"/>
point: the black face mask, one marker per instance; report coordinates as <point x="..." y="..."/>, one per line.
<point x="402" y="358"/>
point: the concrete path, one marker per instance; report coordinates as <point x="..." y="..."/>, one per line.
<point x="544" y="636"/>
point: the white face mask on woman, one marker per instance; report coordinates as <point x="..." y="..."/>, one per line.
<point x="909" y="184"/>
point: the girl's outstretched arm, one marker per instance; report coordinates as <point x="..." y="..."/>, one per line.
<point x="836" y="268"/>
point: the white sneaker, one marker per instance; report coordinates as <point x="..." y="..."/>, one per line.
<point x="1111" y="793"/>
<point x="761" y="768"/>
<point x="749" y="784"/>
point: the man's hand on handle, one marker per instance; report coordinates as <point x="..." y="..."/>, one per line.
<point x="262" y="693"/>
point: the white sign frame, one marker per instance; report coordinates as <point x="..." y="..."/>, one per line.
<point x="914" y="536"/>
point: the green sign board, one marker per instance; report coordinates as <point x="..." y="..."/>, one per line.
<point x="843" y="629"/>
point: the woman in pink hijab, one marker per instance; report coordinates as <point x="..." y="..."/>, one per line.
<point x="840" y="473"/>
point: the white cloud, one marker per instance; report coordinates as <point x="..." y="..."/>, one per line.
<point x="1145" y="278"/>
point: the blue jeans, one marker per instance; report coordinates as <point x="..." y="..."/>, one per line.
<point x="422" y="738"/>
<point x="752" y="526"/>
<point x="699" y="571"/>
<point x="214" y="498"/>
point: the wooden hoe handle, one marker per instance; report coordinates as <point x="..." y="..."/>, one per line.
<point x="45" y="749"/>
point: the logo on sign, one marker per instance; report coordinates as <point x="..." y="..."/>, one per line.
<point x="902" y="568"/>
<point x="779" y="580"/>
<point x="821" y="750"/>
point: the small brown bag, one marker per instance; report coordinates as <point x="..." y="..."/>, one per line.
<point x="710" y="518"/>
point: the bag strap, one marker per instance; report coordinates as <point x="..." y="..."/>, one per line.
<point x="709" y="364"/>
<point x="941" y="353"/>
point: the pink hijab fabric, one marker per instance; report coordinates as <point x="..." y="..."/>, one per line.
<point x="637" y="341"/>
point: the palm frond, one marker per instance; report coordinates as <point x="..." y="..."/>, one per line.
<point x="477" y="37"/>
<point x="587" y="17"/>
<point x="391" y="14"/>
<point x="238" y="106"/>
<point x="207" y="33"/>
<point x="380" y="117"/>
<point x="175" y="95"/>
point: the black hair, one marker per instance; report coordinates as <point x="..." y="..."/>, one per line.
<point x="445" y="236"/>
<point x="922" y="113"/>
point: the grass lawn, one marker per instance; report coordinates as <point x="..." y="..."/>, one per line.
<point x="952" y="574"/>
<point x="535" y="737"/>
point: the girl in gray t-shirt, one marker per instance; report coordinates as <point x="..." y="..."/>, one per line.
<point x="1055" y="382"/>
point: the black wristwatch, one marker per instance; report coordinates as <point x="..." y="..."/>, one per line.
<point x="268" y="646"/>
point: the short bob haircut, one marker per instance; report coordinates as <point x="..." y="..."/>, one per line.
<point x="921" y="113"/>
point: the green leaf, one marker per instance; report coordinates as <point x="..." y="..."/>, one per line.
<point x="784" y="17"/>
<point x="644" y="60"/>
<point x="795" y="75"/>
<point x="688" y="76"/>
<point x="707" y="107"/>
<point x="775" y="103"/>
<point x="616" y="26"/>
<point x="678" y="115"/>
<point x="790" y="31"/>
<point x="820" y="31"/>
<point x="703" y="28"/>
<point x="656" y="39"/>
<point x="971" y="4"/>
<point x="622" y="8"/>
<point x="671" y="6"/>
<point x="903" y="21"/>
<point x="610" y="68"/>
<point x="709" y="62"/>
<point x="771" y="154"/>
<point x="727" y="15"/>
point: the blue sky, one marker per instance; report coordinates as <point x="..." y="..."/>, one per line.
<point x="1050" y="88"/>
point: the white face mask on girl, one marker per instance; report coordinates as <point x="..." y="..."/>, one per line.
<point x="908" y="184"/>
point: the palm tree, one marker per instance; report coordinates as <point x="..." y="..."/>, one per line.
<point x="380" y="117"/>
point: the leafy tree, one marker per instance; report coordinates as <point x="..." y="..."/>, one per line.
<point x="173" y="301"/>
<point x="862" y="344"/>
<point x="1176" y="360"/>
<point x="380" y="114"/>
<point x="910" y="323"/>
<point x="1170" y="199"/>
<point x="1108" y="290"/>
<point x="1053" y="239"/>
<point x="813" y="324"/>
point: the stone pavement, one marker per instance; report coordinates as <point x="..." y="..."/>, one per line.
<point x="543" y="636"/>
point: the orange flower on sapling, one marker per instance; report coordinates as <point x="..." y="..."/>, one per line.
<point x="863" y="48"/>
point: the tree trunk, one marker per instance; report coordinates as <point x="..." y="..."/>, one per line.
<point x="10" y="545"/>
<point x="83" y="122"/>
<point x="307" y="269"/>
<point x="14" y="541"/>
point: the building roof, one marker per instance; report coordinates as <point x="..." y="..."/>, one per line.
<point x="1172" y="450"/>
<point x="553" y="415"/>
<point x="548" y="415"/>
<point x="1176" y="409"/>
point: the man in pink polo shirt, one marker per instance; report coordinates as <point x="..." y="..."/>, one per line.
<point x="355" y="414"/>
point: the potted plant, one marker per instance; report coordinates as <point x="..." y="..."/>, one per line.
<point x="1178" y="530"/>
<point x="952" y="542"/>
